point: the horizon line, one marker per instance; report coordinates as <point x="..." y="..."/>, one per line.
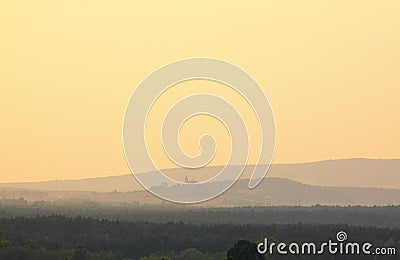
<point x="164" y="169"/>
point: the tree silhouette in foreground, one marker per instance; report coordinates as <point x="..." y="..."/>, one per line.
<point x="243" y="250"/>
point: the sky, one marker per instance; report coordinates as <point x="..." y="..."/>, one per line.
<point x="330" y="69"/>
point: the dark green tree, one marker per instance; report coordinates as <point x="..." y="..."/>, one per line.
<point x="79" y="253"/>
<point x="243" y="250"/>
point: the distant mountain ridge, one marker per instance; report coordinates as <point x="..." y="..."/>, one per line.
<point x="378" y="173"/>
<point x="271" y="192"/>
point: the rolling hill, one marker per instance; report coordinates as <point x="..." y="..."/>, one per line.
<point x="336" y="173"/>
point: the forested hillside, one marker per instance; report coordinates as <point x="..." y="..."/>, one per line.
<point x="54" y="237"/>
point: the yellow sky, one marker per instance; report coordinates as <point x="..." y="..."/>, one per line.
<point x="331" y="70"/>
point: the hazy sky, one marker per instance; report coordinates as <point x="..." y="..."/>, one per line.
<point x="331" y="70"/>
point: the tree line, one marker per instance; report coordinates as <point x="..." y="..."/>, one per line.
<point x="61" y="237"/>
<point x="386" y="216"/>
